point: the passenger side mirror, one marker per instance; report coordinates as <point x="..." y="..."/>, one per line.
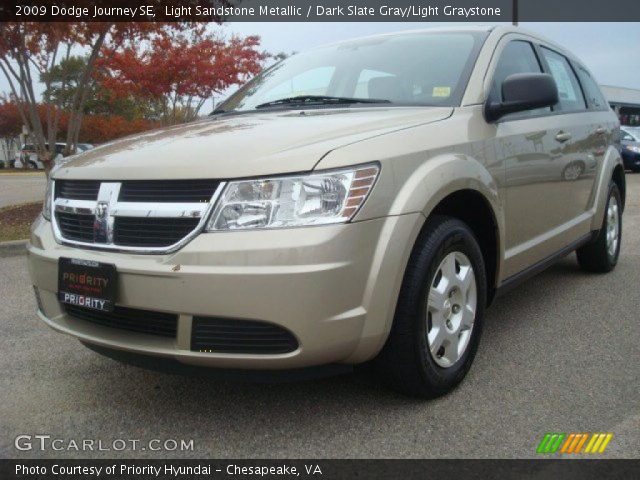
<point x="523" y="91"/>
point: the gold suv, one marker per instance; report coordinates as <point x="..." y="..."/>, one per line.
<point x="361" y="201"/>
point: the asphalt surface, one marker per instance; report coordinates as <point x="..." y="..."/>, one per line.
<point x="21" y="188"/>
<point x="559" y="354"/>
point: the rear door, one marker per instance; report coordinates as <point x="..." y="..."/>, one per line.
<point x="577" y="145"/>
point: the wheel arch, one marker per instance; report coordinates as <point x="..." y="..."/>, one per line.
<point x="471" y="195"/>
<point x="612" y="170"/>
<point x="618" y="177"/>
<point x="482" y="221"/>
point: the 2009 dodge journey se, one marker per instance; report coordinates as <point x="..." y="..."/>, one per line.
<point x="363" y="201"/>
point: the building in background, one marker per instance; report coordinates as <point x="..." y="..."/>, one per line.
<point x="625" y="102"/>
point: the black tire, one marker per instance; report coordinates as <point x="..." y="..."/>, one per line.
<point x="595" y="257"/>
<point x="33" y="165"/>
<point x="405" y="362"/>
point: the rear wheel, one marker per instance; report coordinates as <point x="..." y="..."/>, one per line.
<point x="602" y="254"/>
<point x="438" y="318"/>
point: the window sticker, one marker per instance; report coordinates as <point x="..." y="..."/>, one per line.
<point x="561" y="76"/>
<point x="441" y="92"/>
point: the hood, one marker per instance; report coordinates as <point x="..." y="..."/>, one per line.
<point x="244" y="145"/>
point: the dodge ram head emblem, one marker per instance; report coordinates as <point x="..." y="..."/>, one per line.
<point x="101" y="210"/>
<point x="101" y="223"/>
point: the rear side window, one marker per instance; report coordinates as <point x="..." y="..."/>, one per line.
<point x="569" y="91"/>
<point x="595" y="99"/>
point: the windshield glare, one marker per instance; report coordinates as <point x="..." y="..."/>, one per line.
<point x="407" y="69"/>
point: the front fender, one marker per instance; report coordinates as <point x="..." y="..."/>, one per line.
<point x="407" y="186"/>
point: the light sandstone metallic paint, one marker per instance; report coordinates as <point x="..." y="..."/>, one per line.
<point x="335" y="287"/>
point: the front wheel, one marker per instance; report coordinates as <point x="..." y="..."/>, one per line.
<point x="602" y="254"/>
<point x="439" y="314"/>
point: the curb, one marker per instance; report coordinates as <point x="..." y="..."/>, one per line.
<point x="21" y="174"/>
<point x="15" y="247"/>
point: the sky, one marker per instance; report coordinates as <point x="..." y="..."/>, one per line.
<point x="610" y="50"/>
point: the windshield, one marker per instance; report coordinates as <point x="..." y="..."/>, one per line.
<point x="409" y="69"/>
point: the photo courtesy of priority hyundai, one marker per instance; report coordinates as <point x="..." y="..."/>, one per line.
<point x="274" y="241"/>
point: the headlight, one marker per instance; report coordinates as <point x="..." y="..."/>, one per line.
<point x="633" y="148"/>
<point x="46" y="206"/>
<point x="293" y="201"/>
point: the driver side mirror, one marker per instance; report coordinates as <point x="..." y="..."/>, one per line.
<point x="523" y="91"/>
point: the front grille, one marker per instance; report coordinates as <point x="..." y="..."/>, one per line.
<point x="131" y="319"/>
<point x="77" y="189"/>
<point x="147" y="216"/>
<point x="151" y="232"/>
<point x="177" y="191"/>
<point x="74" y="226"/>
<point x="240" y="336"/>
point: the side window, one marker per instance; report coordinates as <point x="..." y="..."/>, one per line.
<point x="595" y="99"/>
<point x="517" y="57"/>
<point x="569" y="91"/>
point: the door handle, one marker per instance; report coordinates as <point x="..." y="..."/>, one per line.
<point x="600" y="131"/>
<point x="563" y="136"/>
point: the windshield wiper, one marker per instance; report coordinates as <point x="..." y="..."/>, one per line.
<point x="319" y="100"/>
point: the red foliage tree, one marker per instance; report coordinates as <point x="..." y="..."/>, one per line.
<point x="181" y="72"/>
<point x="104" y="128"/>
<point x="29" y="50"/>
<point x="94" y="128"/>
<point x="10" y="120"/>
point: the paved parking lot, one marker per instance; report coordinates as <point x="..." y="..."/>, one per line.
<point x="21" y="187"/>
<point x="559" y="354"/>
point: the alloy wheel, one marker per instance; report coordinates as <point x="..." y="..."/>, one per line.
<point x="613" y="227"/>
<point x="451" y="309"/>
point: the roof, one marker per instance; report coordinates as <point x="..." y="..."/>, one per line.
<point x="624" y="95"/>
<point x="445" y="29"/>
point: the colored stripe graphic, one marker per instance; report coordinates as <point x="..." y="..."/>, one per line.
<point x="598" y="442"/>
<point x="573" y="443"/>
<point x="550" y="443"/>
<point x="582" y="442"/>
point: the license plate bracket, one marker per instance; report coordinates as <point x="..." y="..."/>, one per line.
<point x="86" y="283"/>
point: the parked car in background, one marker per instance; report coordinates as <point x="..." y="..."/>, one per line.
<point x="355" y="202"/>
<point x="27" y="154"/>
<point x="630" y="147"/>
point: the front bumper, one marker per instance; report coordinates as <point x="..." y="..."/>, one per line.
<point x="334" y="287"/>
